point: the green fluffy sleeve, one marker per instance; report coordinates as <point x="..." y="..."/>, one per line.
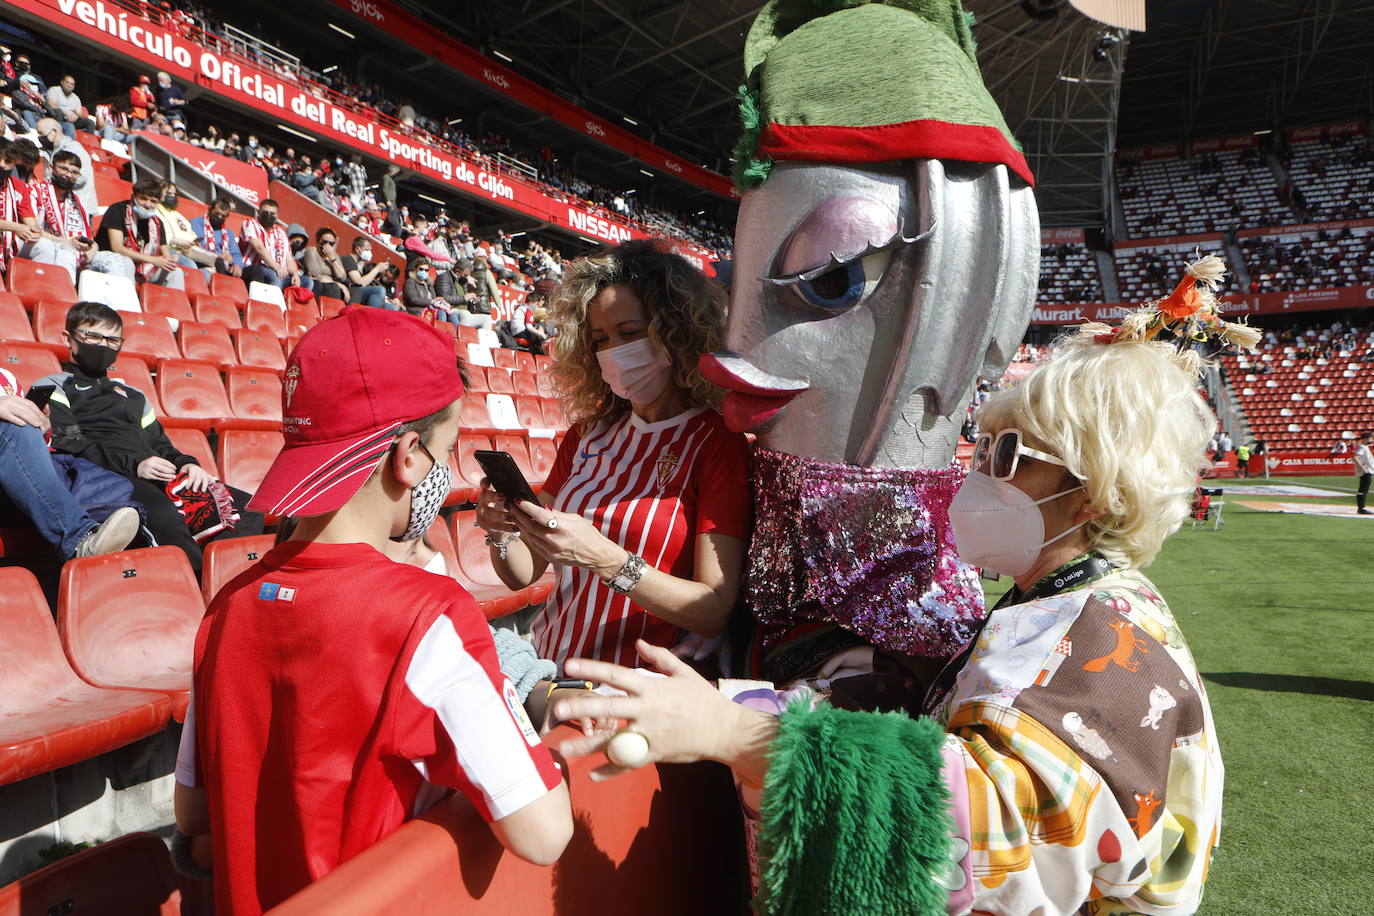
<point x="855" y="816"/>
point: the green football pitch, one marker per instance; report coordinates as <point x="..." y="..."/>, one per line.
<point x="1278" y="611"/>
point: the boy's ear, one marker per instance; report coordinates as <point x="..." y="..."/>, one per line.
<point x="404" y="466"/>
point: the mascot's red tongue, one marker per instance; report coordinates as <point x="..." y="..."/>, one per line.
<point x="748" y="404"/>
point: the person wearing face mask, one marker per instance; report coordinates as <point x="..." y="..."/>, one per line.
<point x="111" y="424"/>
<point x="63" y="99"/>
<point x="323" y="265"/>
<point x="266" y="249"/>
<point x="181" y="238"/>
<point x="52" y="141"/>
<point x="1066" y="761"/>
<point x="171" y="101"/>
<point x="418" y="294"/>
<point x="18" y="215"/>
<point x="364" y="276"/>
<point x="142" y="103"/>
<point x="62" y="218"/>
<point x="133" y="241"/>
<point x="214" y="236"/>
<point x="646" y="512"/>
<point x="327" y="650"/>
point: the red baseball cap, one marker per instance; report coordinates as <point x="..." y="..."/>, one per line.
<point x="350" y="382"/>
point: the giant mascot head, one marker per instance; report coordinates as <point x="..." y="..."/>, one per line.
<point x="886" y="256"/>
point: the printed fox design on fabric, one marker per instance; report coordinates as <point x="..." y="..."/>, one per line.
<point x="1127" y="645"/>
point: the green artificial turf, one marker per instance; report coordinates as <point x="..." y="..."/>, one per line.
<point x="1278" y="611"/>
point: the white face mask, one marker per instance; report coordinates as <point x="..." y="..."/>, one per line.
<point x="636" y="371"/>
<point x="427" y="499"/>
<point x="998" y="527"/>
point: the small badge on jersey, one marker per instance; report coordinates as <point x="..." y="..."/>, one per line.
<point x="517" y="710"/>
<point x="665" y="467"/>
<point x="271" y="591"/>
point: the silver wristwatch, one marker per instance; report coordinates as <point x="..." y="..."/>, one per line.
<point x="628" y="577"/>
<point x="503" y="544"/>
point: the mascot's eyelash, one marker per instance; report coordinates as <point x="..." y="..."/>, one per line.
<point x="898" y="240"/>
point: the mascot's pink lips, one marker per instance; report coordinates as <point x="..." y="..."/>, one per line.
<point x="755" y="396"/>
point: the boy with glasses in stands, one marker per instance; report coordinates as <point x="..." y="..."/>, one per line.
<point x="111" y="424"/>
<point x="336" y="692"/>
<point x="133" y="242"/>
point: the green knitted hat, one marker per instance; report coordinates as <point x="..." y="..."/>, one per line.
<point x="866" y="81"/>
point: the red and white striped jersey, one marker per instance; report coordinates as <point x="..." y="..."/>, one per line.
<point x="651" y="488"/>
<point x="274" y="240"/>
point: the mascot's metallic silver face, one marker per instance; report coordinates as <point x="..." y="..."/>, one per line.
<point x="866" y="302"/>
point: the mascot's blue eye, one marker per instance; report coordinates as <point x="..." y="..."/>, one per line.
<point x="837" y="289"/>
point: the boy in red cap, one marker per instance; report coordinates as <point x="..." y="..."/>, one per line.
<point x="334" y="690"/>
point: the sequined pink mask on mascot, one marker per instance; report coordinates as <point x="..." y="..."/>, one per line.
<point x="868" y="296"/>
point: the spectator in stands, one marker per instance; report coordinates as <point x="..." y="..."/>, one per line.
<point x="181" y="237"/>
<point x="63" y="99"/>
<point x="388" y="188"/>
<point x="305" y="180"/>
<point x="267" y="250"/>
<point x="132" y="240"/>
<point x="324" y="266"/>
<point x="18" y="219"/>
<point x="214" y="236"/>
<point x="52" y="140"/>
<point x="365" y="276"/>
<point x="487" y="290"/>
<point x="414" y="246"/>
<point x="111" y="424"/>
<point x="30" y="483"/>
<point x="171" y="101"/>
<point x="521" y="327"/>
<point x="1364" y="467"/>
<point x="419" y="294"/>
<point x="401" y="678"/>
<point x="633" y="322"/>
<point x="355" y="179"/>
<point x="63" y="221"/>
<point x="31" y="100"/>
<point x="142" y="102"/>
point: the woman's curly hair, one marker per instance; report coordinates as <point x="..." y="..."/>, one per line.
<point x="686" y="312"/>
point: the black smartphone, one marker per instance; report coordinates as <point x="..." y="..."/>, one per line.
<point x="505" y="475"/>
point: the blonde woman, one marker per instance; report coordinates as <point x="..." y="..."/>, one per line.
<point x="646" y="511"/>
<point x="1067" y="762"/>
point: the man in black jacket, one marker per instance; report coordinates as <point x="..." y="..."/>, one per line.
<point x="111" y="424"/>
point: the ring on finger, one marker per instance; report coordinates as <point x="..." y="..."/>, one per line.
<point x="628" y="748"/>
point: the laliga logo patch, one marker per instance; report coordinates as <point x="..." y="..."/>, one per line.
<point x="293" y="378"/>
<point x="517" y="711"/>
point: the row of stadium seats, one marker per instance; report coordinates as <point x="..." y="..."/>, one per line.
<point x="117" y="663"/>
<point x="1303" y="404"/>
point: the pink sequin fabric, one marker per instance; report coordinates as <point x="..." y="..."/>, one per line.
<point x="867" y="549"/>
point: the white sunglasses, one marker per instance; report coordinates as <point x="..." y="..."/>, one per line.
<point x="1004" y="454"/>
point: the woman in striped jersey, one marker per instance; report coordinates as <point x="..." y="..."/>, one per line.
<point x="646" y="512"/>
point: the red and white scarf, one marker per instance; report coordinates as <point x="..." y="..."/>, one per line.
<point x="10" y="196"/>
<point x="151" y="247"/>
<point x="219" y="240"/>
<point x="274" y="239"/>
<point x="66" y="218"/>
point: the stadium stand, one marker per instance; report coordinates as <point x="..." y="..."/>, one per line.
<point x="1149" y="269"/>
<point x="1304" y="257"/>
<point x="1212" y="190"/>
<point x="1068" y="273"/>
<point x="129" y="874"/>
<point x="1333" y="171"/>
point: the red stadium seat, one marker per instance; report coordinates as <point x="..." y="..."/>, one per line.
<point x="466" y="335"/>
<point x="520" y="452"/>
<point x="196" y="286"/>
<point x="223" y="286"/>
<point x="446" y="328"/>
<point x="226" y="558"/>
<point x="530" y="414"/>
<point x="254" y="394"/>
<point x="504" y="359"/>
<point x="329" y="306"/>
<point x="543" y="383"/>
<point x="259" y="349"/>
<point x="49" y="321"/>
<point x="149" y="338"/>
<point x="14" y="321"/>
<point x="542" y="363"/>
<point x="525" y="383"/>
<point x="193" y="442"/>
<point x="524" y="362"/>
<point x="245" y="455"/>
<point x="473" y="416"/>
<point x="499" y="381"/>
<point x="33" y="282"/>
<point x="554" y="416"/>
<point x="27" y="362"/>
<point x="492" y="599"/>
<point x="49" y="718"/>
<point x="130" y="874"/>
<point x="208" y="342"/>
<point x="477" y="379"/>
<point x="301" y="318"/>
<point x="214" y="310"/>
<point x="161" y="300"/>
<point x="469" y="471"/>
<point x="192" y="394"/>
<point x="133" y="372"/>
<point x="542" y="455"/>
<point x="264" y="316"/>
<point x="129" y="619"/>
<point x="475" y="571"/>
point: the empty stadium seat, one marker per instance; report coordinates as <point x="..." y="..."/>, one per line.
<point x="524" y="362"/>
<point x="301" y="318"/>
<point x="259" y="349"/>
<point x="475" y="571"/>
<point x="529" y="412"/>
<point x="245" y="455"/>
<point x="267" y="292"/>
<point x="254" y="394"/>
<point x="223" y="286"/>
<point x="174" y="303"/>
<point x="499" y="381"/>
<point x="477" y="379"/>
<point x="329" y="306"/>
<point x="554" y="416"/>
<point x="466" y="334"/>
<point x="207" y="342"/>
<point x="524" y="383"/>
<point x="478" y="355"/>
<point x="469" y="471"/>
<point x="543" y="452"/>
<point x="543" y="383"/>
<point x="119" y="293"/>
<point x="33" y="282"/>
<point x="14" y="320"/>
<point x="501" y="409"/>
<point x="129" y="619"/>
<point x="264" y="316"/>
<point x="192" y="394"/>
<point x="226" y="558"/>
<point x="196" y="287"/>
<point x="130" y="874"/>
<point x="27" y="362"/>
<point x="214" y="310"/>
<point x="49" y="717"/>
<point x="133" y="372"/>
<point x="473" y="417"/>
<point x="193" y="442"/>
<point x="149" y="338"/>
<point x="49" y="321"/>
<point x="515" y="445"/>
<point x="504" y="359"/>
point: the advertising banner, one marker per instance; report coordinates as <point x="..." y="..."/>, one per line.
<point x="333" y="119"/>
<point x="1288" y="464"/>
<point x="1223" y="144"/>
<point x="247" y="181"/>
<point x="429" y="41"/>
<point x="1060" y="236"/>
<point x="1344" y="129"/>
<point x="1170" y="242"/>
<point x="1306" y="300"/>
<point x="1308" y="228"/>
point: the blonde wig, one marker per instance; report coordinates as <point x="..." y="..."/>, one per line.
<point x="1129" y="422"/>
<point x="686" y="311"/>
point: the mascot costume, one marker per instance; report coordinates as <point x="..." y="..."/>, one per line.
<point x="886" y="257"/>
